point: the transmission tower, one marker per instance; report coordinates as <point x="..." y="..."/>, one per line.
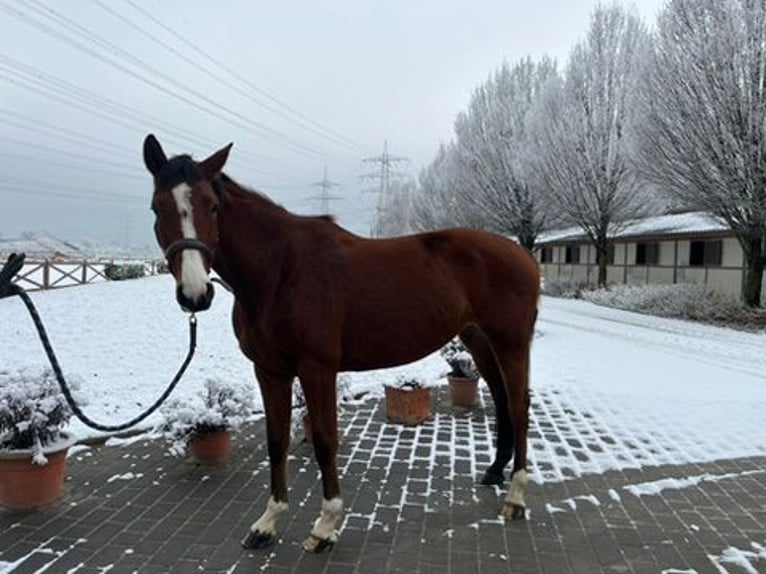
<point x="386" y="161"/>
<point x="325" y="197"/>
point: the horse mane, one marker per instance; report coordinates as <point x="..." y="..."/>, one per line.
<point x="266" y="202"/>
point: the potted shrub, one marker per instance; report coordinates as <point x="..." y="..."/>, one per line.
<point x="408" y="401"/>
<point x="463" y="377"/>
<point x="203" y="427"/>
<point x="33" y="447"/>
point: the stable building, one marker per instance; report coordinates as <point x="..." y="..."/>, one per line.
<point x="691" y="247"/>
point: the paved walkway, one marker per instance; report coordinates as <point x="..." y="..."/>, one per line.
<point x="412" y="506"/>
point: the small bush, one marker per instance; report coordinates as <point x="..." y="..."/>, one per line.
<point x="223" y="406"/>
<point x="33" y="410"/>
<point x="683" y="301"/>
<point x="122" y="271"/>
<point x="459" y="360"/>
<point x="565" y="289"/>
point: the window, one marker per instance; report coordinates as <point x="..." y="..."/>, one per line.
<point x="546" y="255"/>
<point x="647" y="253"/>
<point x="703" y="253"/>
<point x="572" y="254"/>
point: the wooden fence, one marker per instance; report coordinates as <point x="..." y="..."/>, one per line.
<point x="40" y="274"/>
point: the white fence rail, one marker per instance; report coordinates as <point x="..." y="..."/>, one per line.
<point x="40" y="274"/>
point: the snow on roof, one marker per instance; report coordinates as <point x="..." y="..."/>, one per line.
<point x="696" y="222"/>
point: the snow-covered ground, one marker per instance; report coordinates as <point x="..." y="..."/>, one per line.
<point x="611" y="389"/>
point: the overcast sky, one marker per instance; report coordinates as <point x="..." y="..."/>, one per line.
<point x="296" y="86"/>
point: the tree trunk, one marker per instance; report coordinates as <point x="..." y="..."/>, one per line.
<point x="527" y="239"/>
<point x="602" y="249"/>
<point x="754" y="260"/>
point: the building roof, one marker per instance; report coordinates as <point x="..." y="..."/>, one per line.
<point x="676" y="224"/>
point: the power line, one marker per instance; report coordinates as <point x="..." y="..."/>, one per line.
<point x="212" y="106"/>
<point x="307" y="124"/>
<point x="51" y="87"/>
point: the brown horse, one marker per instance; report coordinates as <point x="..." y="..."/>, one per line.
<point x="311" y="299"/>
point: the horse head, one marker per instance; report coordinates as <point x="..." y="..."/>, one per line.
<point x="185" y="202"/>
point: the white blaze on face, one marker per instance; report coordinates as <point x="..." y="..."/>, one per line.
<point x="194" y="278"/>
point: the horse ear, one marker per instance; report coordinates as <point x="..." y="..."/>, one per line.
<point x="213" y="165"/>
<point x="154" y="157"/>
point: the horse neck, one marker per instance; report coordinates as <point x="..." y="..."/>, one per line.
<point x="252" y="239"/>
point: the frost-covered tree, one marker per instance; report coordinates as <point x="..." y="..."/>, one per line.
<point x="580" y="129"/>
<point x="493" y="152"/>
<point x="702" y="137"/>
<point x="438" y="204"/>
<point x="394" y="217"/>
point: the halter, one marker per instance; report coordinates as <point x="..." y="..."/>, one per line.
<point x="189" y="243"/>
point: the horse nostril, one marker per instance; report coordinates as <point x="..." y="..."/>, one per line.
<point x="199" y="303"/>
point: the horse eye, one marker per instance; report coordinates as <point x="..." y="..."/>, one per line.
<point x="214" y="208"/>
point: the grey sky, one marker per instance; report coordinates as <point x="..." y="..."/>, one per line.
<point x="355" y="72"/>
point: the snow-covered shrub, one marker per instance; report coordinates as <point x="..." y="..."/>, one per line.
<point x="684" y="301"/>
<point x="222" y="406"/>
<point x="459" y="360"/>
<point x="33" y="411"/>
<point x="410" y="382"/>
<point x="122" y="271"/>
<point x="565" y="289"/>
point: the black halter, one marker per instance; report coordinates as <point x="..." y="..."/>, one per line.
<point x="188" y="243"/>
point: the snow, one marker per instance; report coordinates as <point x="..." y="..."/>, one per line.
<point x="610" y="389"/>
<point x="695" y="222"/>
<point x="657" y="486"/>
<point x="744" y="559"/>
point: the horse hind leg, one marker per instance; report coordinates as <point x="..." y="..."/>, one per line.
<point x="515" y="367"/>
<point x="512" y="356"/>
<point x="478" y="345"/>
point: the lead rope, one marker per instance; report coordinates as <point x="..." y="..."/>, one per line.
<point x="7" y="289"/>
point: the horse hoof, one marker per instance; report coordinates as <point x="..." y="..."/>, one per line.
<point x="317" y="545"/>
<point x="256" y="539"/>
<point x="492" y="479"/>
<point x="514" y="511"/>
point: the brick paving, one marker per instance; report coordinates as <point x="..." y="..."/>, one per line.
<point x="412" y="505"/>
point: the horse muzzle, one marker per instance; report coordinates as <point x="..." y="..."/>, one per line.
<point x="194" y="304"/>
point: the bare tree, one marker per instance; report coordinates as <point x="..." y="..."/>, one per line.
<point x="580" y="130"/>
<point x="702" y="138"/>
<point x="492" y="151"/>
<point x="438" y="203"/>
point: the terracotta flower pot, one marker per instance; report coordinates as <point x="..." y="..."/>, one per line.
<point x="407" y="406"/>
<point x="25" y="485"/>
<point x="210" y="447"/>
<point x="464" y="392"/>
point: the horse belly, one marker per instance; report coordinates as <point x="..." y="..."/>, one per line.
<point x="399" y="338"/>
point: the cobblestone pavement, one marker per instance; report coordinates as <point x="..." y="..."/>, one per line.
<point x="412" y="505"/>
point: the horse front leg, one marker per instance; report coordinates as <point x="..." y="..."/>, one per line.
<point x="319" y="388"/>
<point x="277" y="403"/>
